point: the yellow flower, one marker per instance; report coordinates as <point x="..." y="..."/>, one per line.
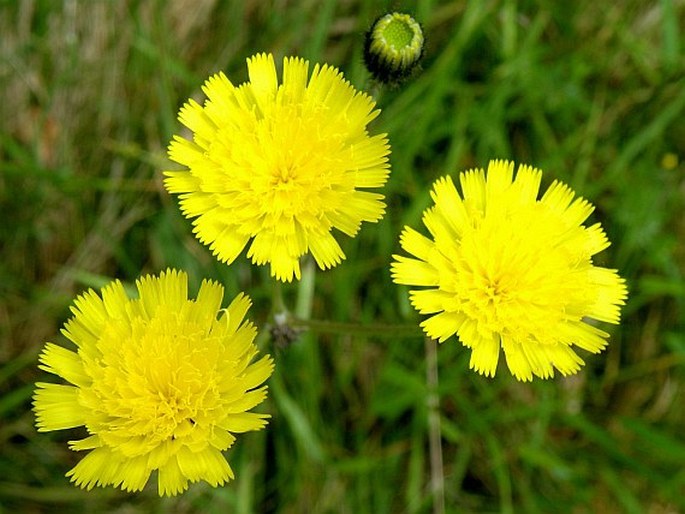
<point x="279" y="164"/>
<point x="159" y="383"/>
<point x="506" y="270"/>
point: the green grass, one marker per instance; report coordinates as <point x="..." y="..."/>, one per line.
<point x="590" y="92"/>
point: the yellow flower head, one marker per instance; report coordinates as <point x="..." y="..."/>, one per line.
<point x="279" y="164"/>
<point x="159" y="383"/>
<point x="506" y="270"/>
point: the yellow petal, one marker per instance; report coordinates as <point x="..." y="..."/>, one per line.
<point x="57" y="407"/>
<point x="484" y="356"/>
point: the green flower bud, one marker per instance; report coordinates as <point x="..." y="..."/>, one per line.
<point x="393" y="47"/>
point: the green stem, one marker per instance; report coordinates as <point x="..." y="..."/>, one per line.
<point x="305" y="290"/>
<point x="278" y="305"/>
<point x="434" y="431"/>
<point x="375" y="329"/>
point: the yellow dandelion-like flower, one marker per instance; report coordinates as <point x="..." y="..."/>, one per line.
<point x="507" y="270"/>
<point x="279" y="164"/>
<point x="161" y="382"/>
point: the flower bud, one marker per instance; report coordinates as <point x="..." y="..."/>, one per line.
<point x="393" y="48"/>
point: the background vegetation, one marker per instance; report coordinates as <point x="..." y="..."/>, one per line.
<point x="589" y="91"/>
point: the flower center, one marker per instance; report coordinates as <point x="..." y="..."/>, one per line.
<point x="297" y="165"/>
<point x="510" y="282"/>
<point x="155" y="382"/>
<point x="494" y="292"/>
<point x="283" y="178"/>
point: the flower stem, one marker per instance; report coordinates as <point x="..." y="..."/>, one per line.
<point x="278" y="305"/>
<point x="434" y="435"/>
<point x="375" y="329"/>
<point x="305" y="291"/>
